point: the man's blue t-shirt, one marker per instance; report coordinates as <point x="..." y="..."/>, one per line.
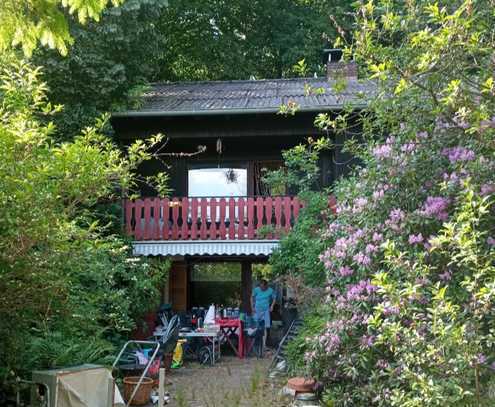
<point x="263" y="299"/>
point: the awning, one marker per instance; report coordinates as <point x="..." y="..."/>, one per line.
<point x="204" y="247"/>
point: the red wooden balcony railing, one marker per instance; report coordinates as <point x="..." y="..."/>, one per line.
<point x="210" y="218"/>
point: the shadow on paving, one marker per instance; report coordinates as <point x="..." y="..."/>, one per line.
<point x="231" y="382"/>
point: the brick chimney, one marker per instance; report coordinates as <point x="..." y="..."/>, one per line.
<point x="338" y="69"/>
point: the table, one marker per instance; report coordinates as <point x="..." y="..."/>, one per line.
<point x="229" y="327"/>
<point x="212" y="337"/>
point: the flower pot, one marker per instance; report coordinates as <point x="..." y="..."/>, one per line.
<point x="143" y="393"/>
<point x="301" y="384"/>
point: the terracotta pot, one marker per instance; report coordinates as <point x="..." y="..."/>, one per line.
<point x="143" y="393"/>
<point x="301" y="384"/>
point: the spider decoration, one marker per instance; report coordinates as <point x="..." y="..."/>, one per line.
<point x="232" y="176"/>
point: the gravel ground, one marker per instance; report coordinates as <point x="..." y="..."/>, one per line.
<point x="232" y="382"/>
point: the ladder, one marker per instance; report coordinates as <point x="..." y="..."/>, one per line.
<point x="290" y="334"/>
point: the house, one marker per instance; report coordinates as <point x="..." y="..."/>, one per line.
<point x="220" y="206"/>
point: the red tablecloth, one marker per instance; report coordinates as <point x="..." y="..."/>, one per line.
<point x="229" y="327"/>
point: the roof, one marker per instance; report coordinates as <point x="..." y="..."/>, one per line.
<point x="204" y="247"/>
<point x="248" y="96"/>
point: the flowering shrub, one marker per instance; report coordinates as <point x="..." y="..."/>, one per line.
<point x="410" y="261"/>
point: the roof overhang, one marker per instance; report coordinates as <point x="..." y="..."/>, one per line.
<point x="219" y="112"/>
<point x="204" y="247"/>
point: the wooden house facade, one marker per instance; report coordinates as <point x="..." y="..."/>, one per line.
<point x="220" y="207"/>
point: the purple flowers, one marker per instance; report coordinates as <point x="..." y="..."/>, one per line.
<point x="334" y="227"/>
<point x="345" y="271"/>
<point x="487" y="189"/>
<point x="446" y="275"/>
<point x="371" y="248"/>
<point x="333" y="342"/>
<point x="396" y="215"/>
<point x="383" y="151"/>
<point x="481" y="359"/>
<point x="377" y="237"/>
<point x="343" y="246"/>
<point x="360" y="290"/>
<point x="362" y="259"/>
<point x="394" y="219"/>
<point x="359" y="205"/>
<point x="408" y="148"/>
<point x="456" y="154"/>
<point x="436" y="207"/>
<point x="491" y="241"/>
<point x="486" y="124"/>
<point x="380" y="191"/>
<point x="367" y="341"/>
<point x="452" y="178"/>
<point x="391" y="310"/>
<point x="415" y="239"/>
<point x="382" y="364"/>
<point x="340" y="248"/>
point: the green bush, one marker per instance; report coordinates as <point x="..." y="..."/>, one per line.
<point x="299" y="251"/>
<point x="70" y="290"/>
<point x="313" y="323"/>
<point x="410" y="257"/>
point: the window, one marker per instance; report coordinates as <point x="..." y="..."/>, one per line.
<point x="217" y="182"/>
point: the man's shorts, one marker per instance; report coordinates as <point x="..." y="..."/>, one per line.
<point x="263" y="315"/>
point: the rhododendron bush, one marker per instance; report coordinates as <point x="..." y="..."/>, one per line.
<point x="410" y="260"/>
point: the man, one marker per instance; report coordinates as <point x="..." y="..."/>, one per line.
<point x="262" y="303"/>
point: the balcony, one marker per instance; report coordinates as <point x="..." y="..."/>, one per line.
<point x="210" y="218"/>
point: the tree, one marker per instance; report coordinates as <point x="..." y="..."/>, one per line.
<point x="142" y="41"/>
<point x="28" y="22"/>
<point x="221" y="39"/>
<point x="68" y="287"/>
<point x="110" y="62"/>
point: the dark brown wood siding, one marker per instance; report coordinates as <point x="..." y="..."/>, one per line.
<point x="246" y="139"/>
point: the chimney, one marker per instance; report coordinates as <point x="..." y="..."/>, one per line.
<point x="338" y="69"/>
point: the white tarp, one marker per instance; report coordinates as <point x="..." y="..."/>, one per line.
<point x="86" y="388"/>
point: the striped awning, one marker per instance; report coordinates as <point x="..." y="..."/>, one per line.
<point x="204" y="247"/>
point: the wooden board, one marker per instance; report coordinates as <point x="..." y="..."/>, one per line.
<point x="178" y="279"/>
<point x="246" y="286"/>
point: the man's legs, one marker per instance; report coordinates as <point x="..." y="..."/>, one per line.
<point x="268" y="324"/>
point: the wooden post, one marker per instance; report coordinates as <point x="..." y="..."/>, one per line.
<point x="178" y="286"/>
<point x="246" y="286"/>
<point x="161" y="387"/>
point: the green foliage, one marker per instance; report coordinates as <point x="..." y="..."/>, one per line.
<point x="109" y="65"/>
<point x="446" y="353"/>
<point x="299" y="251"/>
<point x="410" y="252"/>
<point x="225" y="271"/>
<point x="27" y="22"/>
<point x="219" y="39"/>
<point x="68" y="289"/>
<point x="54" y="349"/>
<point x="141" y="41"/>
<point x="262" y="271"/>
<point x="313" y="323"/>
<point x="301" y="170"/>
